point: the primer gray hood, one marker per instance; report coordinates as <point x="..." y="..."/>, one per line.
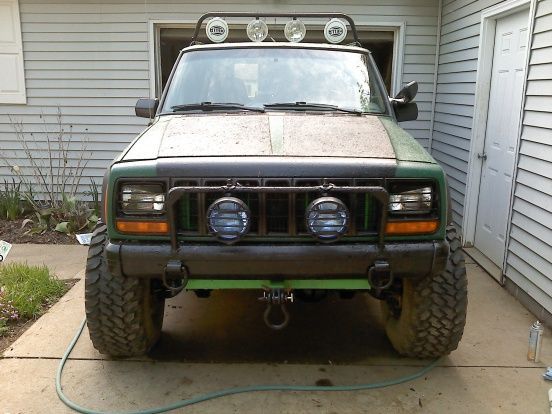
<point x="274" y="134"/>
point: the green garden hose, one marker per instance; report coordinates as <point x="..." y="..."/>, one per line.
<point x="228" y="391"/>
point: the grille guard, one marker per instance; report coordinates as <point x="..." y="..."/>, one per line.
<point x="174" y="194"/>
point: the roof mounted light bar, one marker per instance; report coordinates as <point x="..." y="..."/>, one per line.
<point x="342" y="16"/>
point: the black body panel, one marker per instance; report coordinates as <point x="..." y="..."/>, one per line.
<point x="215" y="261"/>
<point x="273" y="167"/>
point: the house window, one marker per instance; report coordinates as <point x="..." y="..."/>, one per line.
<point x="170" y="39"/>
<point x="12" y="81"/>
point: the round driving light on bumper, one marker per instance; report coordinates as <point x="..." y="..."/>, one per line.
<point x="327" y="218"/>
<point x="228" y="218"/>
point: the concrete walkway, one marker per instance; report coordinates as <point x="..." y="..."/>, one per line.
<point x="215" y="343"/>
<point x="65" y="261"/>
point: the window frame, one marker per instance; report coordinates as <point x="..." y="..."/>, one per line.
<point x="14" y="47"/>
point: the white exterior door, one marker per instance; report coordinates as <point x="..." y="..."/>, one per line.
<point x="505" y="98"/>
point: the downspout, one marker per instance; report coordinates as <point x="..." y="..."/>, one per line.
<point x="435" y="73"/>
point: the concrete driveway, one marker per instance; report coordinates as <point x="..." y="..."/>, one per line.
<point x="215" y="343"/>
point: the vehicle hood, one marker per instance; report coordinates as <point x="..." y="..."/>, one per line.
<point x="274" y="134"/>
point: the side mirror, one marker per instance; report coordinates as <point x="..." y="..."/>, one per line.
<point x="406" y="94"/>
<point x="405" y="109"/>
<point x="146" y="108"/>
<point x="406" y="112"/>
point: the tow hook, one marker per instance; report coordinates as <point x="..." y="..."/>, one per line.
<point x="380" y="277"/>
<point x="175" y="277"/>
<point x="276" y="297"/>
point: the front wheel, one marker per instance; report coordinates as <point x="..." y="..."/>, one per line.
<point x="426" y="318"/>
<point x="124" y="315"/>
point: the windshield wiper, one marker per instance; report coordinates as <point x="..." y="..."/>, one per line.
<point x="214" y="106"/>
<point x="305" y="106"/>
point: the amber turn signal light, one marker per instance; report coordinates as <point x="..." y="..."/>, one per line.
<point x="411" y="227"/>
<point x="142" y="227"/>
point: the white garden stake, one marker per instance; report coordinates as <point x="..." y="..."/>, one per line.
<point x="5" y="248"/>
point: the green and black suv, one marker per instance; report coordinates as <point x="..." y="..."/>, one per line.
<point x="280" y="167"/>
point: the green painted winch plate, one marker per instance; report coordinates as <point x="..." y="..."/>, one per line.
<point x="337" y="284"/>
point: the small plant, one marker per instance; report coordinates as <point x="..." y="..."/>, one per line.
<point x="94" y="193"/>
<point x="71" y="217"/>
<point x="74" y="215"/>
<point x="8" y="312"/>
<point x="3" y="327"/>
<point x="26" y="289"/>
<point x="11" y="207"/>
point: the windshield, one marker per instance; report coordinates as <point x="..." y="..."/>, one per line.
<point x="255" y="77"/>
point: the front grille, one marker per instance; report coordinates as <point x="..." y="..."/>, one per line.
<point x="277" y="214"/>
<point x="188" y="216"/>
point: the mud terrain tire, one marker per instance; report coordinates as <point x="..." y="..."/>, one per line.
<point x="433" y="309"/>
<point x="123" y="315"/>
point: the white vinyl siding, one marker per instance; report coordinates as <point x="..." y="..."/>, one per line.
<point x="455" y="98"/>
<point x="529" y="256"/>
<point x="91" y="58"/>
<point x="12" y="79"/>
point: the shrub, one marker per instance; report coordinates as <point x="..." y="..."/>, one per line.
<point x="55" y="174"/>
<point x="52" y="177"/>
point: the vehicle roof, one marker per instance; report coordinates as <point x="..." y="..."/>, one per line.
<point x="291" y="45"/>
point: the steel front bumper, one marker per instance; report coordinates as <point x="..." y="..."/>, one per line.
<point x="276" y="262"/>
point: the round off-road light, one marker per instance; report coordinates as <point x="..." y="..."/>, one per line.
<point x="257" y="30"/>
<point x="217" y="30"/>
<point x="335" y="31"/>
<point x="327" y="218"/>
<point x="295" y="30"/>
<point x="228" y="218"/>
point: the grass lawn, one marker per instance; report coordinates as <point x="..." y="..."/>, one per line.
<point x="25" y="292"/>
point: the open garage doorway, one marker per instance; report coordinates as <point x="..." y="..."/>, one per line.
<point x="170" y="38"/>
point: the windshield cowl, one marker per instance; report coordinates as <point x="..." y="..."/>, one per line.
<point x="278" y="106"/>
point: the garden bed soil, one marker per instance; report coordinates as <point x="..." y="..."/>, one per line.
<point x="12" y="232"/>
<point x="16" y="329"/>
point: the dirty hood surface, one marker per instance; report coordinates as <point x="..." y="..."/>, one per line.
<point x="278" y="134"/>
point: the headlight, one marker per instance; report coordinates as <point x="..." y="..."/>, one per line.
<point x="140" y="199"/>
<point x="327" y="218"/>
<point x="229" y="219"/>
<point x="417" y="201"/>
